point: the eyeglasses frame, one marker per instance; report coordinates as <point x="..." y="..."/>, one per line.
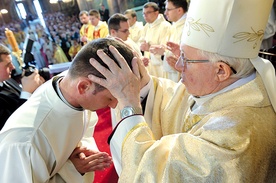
<point x="185" y="61"/>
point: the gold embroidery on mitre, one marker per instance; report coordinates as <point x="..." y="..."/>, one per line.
<point x="250" y="37"/>
<point x="197" y="26"/>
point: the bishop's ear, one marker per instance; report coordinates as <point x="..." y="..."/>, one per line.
<point x="223" y="71"/>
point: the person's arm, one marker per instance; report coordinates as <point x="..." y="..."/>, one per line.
<point x="30" y="84"/>
<point x="22" y="163"/>
<point x="214" y="149"/>
<point x="8" y="103"/>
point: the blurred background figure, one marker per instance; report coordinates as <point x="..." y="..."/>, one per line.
<point x="175" y="12"/>
<point x="156" y="32"/>
<point x="86" y="31"/>
<point x="74" y="49"/>
<point x="12" y="93"/>
<point x="104" y="13"/>
<point x="100" y="27"/>
<point x="59" y="55"/>
<point x="135" y="27"/>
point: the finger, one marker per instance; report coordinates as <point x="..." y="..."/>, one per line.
<point x="102" y="70"/>
<point x="119" y="58"/>
<point x="82" y="155"/>
<point x="113" y="67"/>
<point x="78" y="150"/>
<point x="99" y="163"/>
<point x="135" y="67"/>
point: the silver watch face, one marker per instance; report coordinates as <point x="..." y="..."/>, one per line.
<point x="127" y="111"/>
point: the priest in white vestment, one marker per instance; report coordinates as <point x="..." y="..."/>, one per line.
<point x="49" y="138"/>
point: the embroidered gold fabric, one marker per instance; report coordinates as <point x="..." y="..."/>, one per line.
<point x="233" y="142"/>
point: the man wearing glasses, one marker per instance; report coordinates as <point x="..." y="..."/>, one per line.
<point x="156" y="32"/>
<point x="118" y="26"/>
<point x="176" y="13"/>
<point x="220" y="125"/>
<point x="135" y="27"/>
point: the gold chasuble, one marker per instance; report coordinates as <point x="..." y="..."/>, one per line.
<point x="233" y="142"/>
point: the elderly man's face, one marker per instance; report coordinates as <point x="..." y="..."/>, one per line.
<point x="200" y="78"/>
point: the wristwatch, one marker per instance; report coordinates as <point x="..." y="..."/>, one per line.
<point x="128" y="111"/>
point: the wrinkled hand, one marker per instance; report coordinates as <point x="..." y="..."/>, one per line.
<point x="32" y="82"/>
<point x="174" y="48"/>
<point x="157" y="49"/>
<point x="172" y="61"/>
<point x="142" y="61"/>
<point x="123" y="83"/>
<point x="86" y="160"/>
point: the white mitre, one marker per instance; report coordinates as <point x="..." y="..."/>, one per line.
<point x="233" y="28"/>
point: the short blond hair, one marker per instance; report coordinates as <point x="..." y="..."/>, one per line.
<point x="95" y="13"/>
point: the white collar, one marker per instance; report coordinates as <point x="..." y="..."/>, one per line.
<point x="62" y="97"/>
<point x="1" y="84"/>
<point x="183" y="17"/>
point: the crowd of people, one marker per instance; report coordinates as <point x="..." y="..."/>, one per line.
<point x="63" y="36"/>
<point x="188" y="98"/>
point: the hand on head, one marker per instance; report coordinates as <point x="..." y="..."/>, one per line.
<point x="142" y="61"/>
<point x="123" y="83"/>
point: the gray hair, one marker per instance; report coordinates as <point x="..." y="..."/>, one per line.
<point x="242" y="66"/>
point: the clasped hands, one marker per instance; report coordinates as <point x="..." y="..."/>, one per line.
<point x="87" y="160"/>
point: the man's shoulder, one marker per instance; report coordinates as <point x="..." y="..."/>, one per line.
<point x="8" y="97"/>
<point x="8" y="101"/>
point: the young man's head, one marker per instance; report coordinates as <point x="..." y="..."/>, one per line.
<point x="6" y="65"/>
<point x="86" y="94"/>
<point x="131" y="16"/>
<point x="150" y="12"/>
<point x="94" y="17"/>
<point x="118" y="26"/>
<point x="175" y="9"/>
<point x="84" y="17"/>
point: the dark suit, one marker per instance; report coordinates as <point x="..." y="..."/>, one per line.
<point x="9" y="100"/>
<point x="104" y="14"/>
